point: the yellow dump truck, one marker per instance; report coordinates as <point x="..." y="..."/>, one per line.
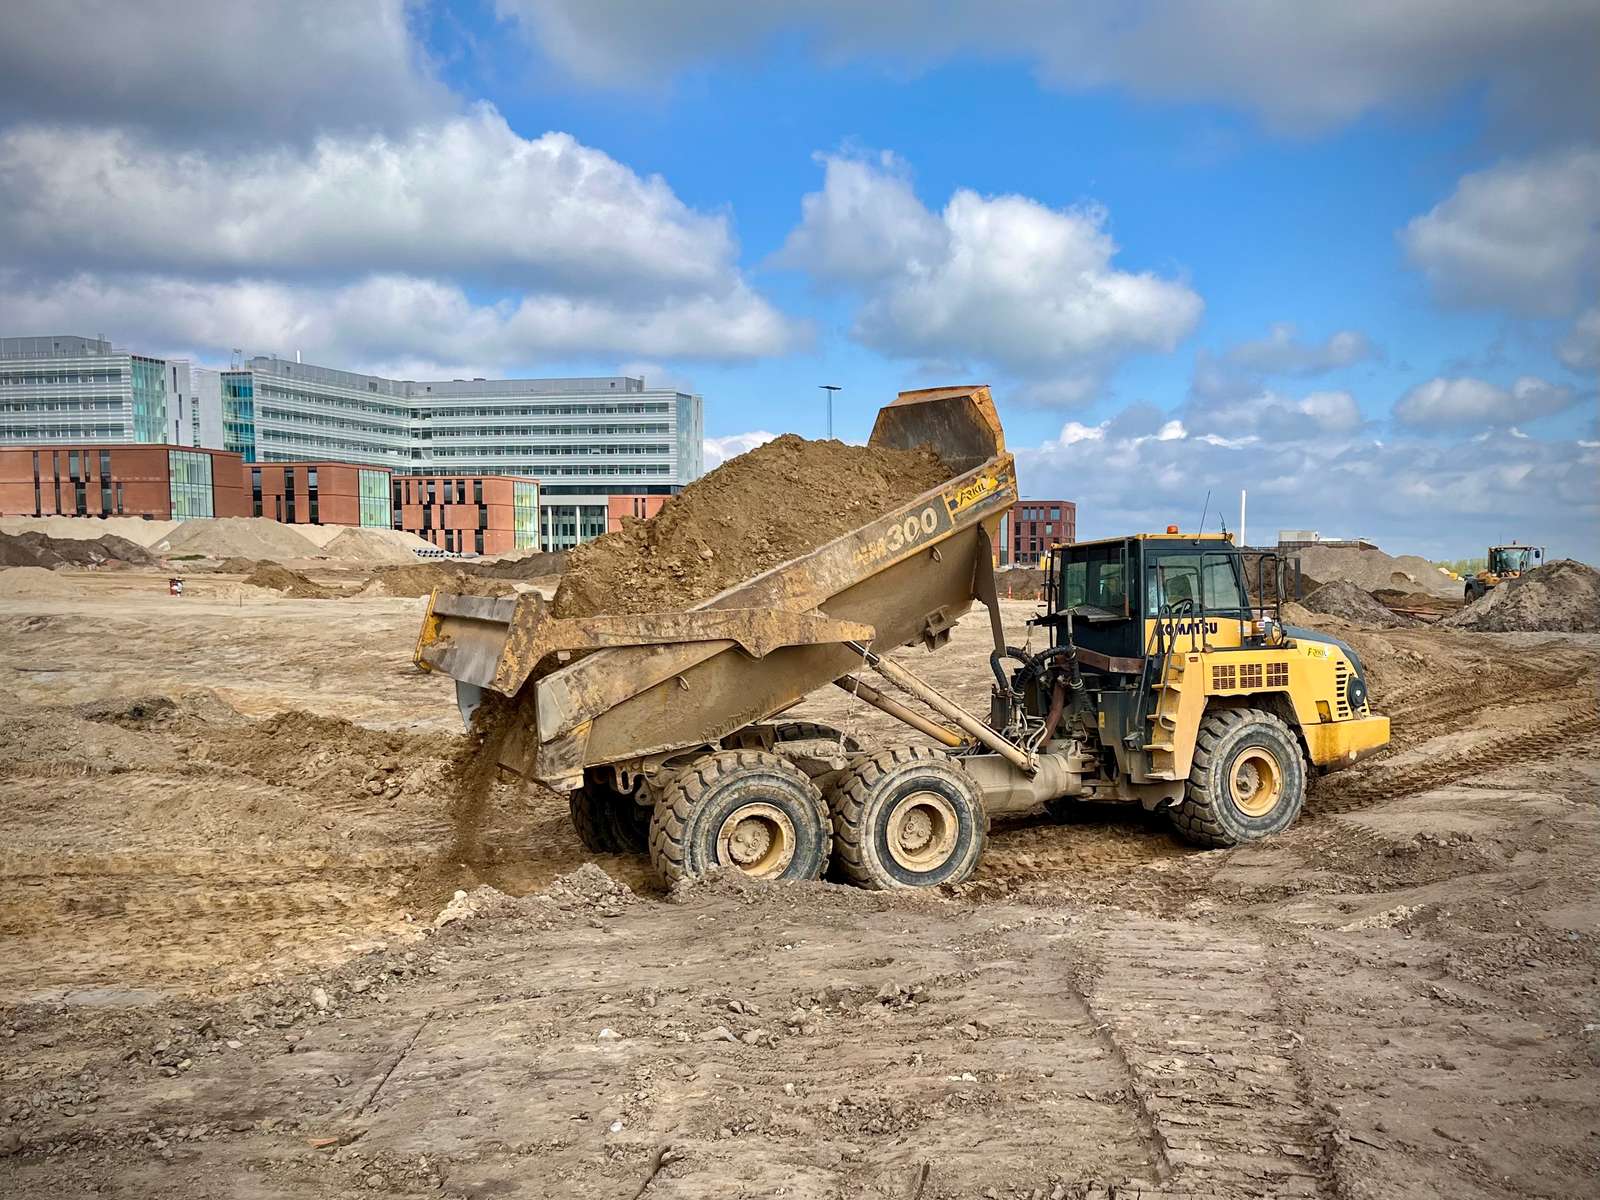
<point x="1161" y="685"/>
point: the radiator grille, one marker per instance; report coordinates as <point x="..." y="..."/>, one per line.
<point x="1341" y="691"/>
<point x="1221" y="676"/>
<point x="1277" y="674"/>
<point x="1250" y="675"/>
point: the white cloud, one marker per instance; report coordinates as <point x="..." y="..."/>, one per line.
<point x="1523" y="236"/>
<point x="719" y="450"/>
<point x="381" y="319"/>
<point x="1003" y="280"/>
<point x="217" y="69"/>
<point x="1282" y="352"/>
<point x="1302" y="67"/>
<point x="1419" y="495"/>
<point x="466" y="196"/>
<point x="1580" y="349"/>
<point x="1466" y="402"/>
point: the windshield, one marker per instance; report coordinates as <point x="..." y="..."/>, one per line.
<point x="1513" y="559"/>
<point x="1095" y="579"/>
<point x="1176" y="578"/>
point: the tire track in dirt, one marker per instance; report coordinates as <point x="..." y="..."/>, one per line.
<point x="1193" y="1014"/>
<point x="1396" y="782"/>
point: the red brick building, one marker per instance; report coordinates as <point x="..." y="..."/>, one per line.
<point x="468" y="514"/>
<point x="320" y="493"/>
<point x="156" y="481"/>
<point x="1032" y="527"/>
<point x="640" y="507"/>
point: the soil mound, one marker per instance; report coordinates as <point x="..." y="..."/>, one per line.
<point x="36" y="549"/>
<point x="1341" y="599"/>
<point x="1020" y="583"/>
<point x="1373" y="569"/>
<point x="291" y="583"/>
<point x="531" y="566"/>
<point x="752" y="513"/>
<point x="236" y="537"/>
<point x="33" y="583"/>
<point x="1562" y="596"/>
<point x="373" y="546"/>
<point x="138" y="530"/>
<point x="418" y="579"/>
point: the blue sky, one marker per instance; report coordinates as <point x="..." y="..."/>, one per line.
<point x="1349" y="259"/>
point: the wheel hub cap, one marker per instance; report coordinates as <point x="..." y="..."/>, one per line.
<point x="758" y="839"/>
<point x="1256" y="782"/>
<point x="922" y="831"/>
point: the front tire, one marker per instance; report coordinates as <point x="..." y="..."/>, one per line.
<point x="607" y="821"/>
<point x="747" y="809"/>
<point x="907" y="817"/>
<point x="1248" y="780"/>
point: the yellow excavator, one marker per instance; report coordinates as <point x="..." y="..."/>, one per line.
<point x="1504" y="562"/>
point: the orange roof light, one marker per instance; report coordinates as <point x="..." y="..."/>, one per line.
<point x="1172" y="529"/>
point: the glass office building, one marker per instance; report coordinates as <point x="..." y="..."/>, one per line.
<point x="66" y="388"/>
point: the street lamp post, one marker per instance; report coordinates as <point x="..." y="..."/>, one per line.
<point x="830" y="388"/>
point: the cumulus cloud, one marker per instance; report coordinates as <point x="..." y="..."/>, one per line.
<point x="1003" y="280"/>
<point x="1466" y="402"/>
<point x="1301" y="67"/>
<point x="1580" y="349"/>
<point x="216" y="70"/>
<point x="1523" y="236"/>
<point x="382" y="319"/>
<point x="1410" y="494"/>
<point x="466" y="195"/>
<point x="719" y="450"/>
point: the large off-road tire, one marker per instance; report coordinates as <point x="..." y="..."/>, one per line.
<point x="607" y="821"/>
<point x="906" y="817"/>
<point x="747" y="809"/>
<point x="1248" y="780"/>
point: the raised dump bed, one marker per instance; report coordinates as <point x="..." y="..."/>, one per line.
<point x="636" y="694"/>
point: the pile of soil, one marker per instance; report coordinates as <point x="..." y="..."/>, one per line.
<point x="138" y="530"/>
<point x="1373" y="569"/>
<point x="291" y="583"/>
<point x="1341" y="599"/>
<point x="1395" y="598"/>
<point x="1020" y="583"/>
<point x="359" y="545"/>
<point x="752" y="513"/>
<point x="531" y="566"/>
<point x="34" y="549"/>
<point x="33" y="583"/>
<point x="419" y="579"/>
<point x="1562" y="596"/>
<point x="236" y="537"/>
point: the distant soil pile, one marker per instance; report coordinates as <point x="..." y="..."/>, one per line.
<point x="41" y="550"/>
<point x="33" y="583"/>
<point x="1559" y="597"/>
<point x="1020" y="583"/>
<point x="1373" y="569"/>
<point x="529" y="566"/>
<point x="291" y="583"/>
<point x="136" y="529"/>
<point x="1341" y="599"/>
<point x="418" y="579"/>
<point x="752" y="513"/>
<point x="236" y="537"/>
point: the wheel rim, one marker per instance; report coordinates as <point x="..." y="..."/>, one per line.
<point x="758" y="839"/>
<point x="922" y="831"/>
<point x="1256" y="782"/>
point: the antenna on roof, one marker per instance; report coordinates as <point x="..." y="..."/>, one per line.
<point x="1203" y="513"/>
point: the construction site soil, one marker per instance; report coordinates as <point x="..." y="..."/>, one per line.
<point x="1562" y="596"/>
<point x="1341" y="599"/>
<point x="35" y="549"/>
<point x="234" y="959"/>
<point x="754" y="512"/>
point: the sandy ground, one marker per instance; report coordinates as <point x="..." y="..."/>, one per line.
<point x="223" y="845"/>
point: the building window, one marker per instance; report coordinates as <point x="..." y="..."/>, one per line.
<point x="189" y="473"/>
<point x="255" y="491"/>
<point x="311" y="497"/>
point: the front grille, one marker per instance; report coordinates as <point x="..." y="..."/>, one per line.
<point x="1277" y="674"/>
<point x="1250" y="675"/>
<point x="1221" y="677"/>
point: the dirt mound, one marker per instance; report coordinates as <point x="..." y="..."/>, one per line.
<point x="34" y="583"/>
<point x="1373" y="569"/>
<point x="1341" y="599"/>
<point x="755" y="511"/>
<point x="531" y="566"/>
<point x="373" y="546"/>
<point x="235" y="537"/>
<point x="291" y="583"/>
<point x="1020" y="583"/>
<point x="35" y="549"/>
<point x="1562" y="596"/>
<point x="418" y="579"/>
<point x="138" y="530"/>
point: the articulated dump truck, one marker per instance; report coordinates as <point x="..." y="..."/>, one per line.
<point x="1163" y="684"/>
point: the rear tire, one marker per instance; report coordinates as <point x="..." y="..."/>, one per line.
<point x="607" y="821"/>
<point x="1248" y="780"/>
<point x="746" y="809"/>
<point x="907" y="817"/>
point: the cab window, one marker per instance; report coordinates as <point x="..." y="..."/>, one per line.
<point x="1208" y="578"/>
<point x="1221" y="583"/>
<point x="1095" y="580"/>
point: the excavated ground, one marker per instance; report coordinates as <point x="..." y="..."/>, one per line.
<point x="220" y="974"/>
